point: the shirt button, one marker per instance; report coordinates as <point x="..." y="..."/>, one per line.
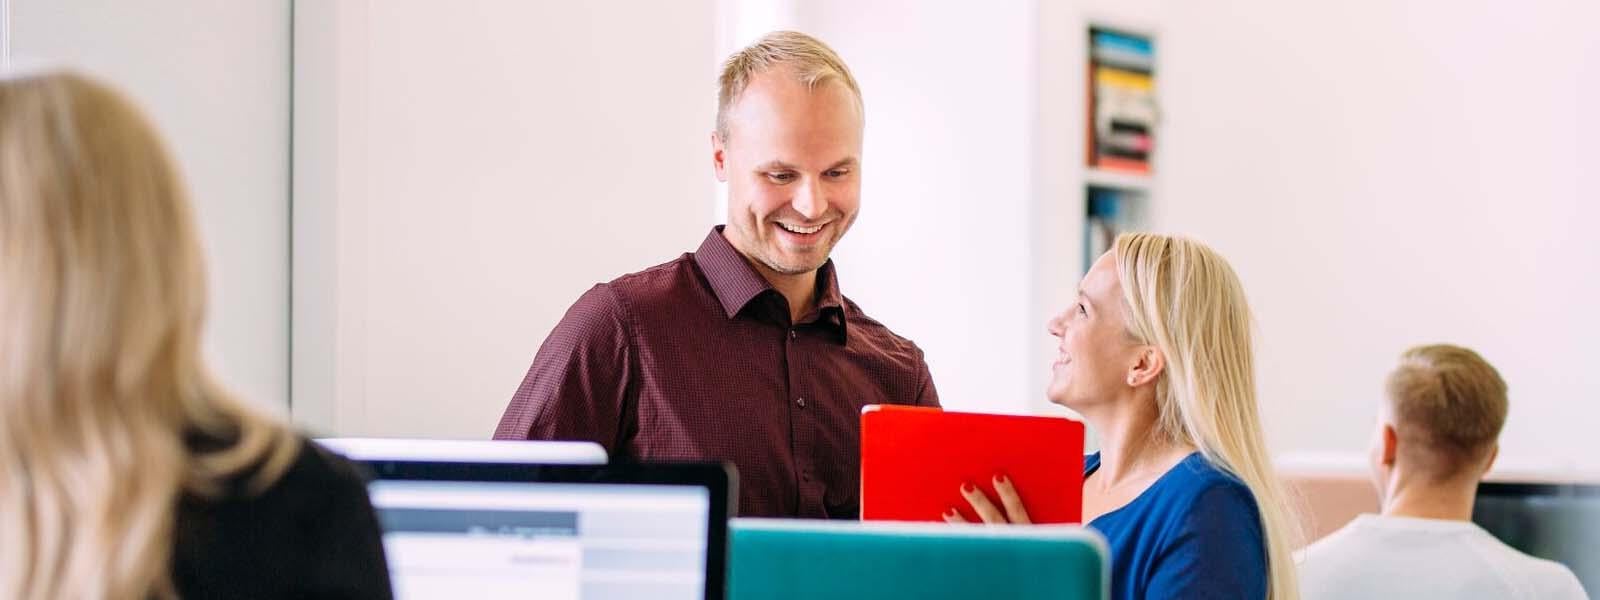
<point x="793" y="335"/>
<point x="800" y="402"/>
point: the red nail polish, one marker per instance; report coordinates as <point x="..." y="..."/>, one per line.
<point x="968" y="488"/>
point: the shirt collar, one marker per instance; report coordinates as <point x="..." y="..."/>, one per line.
<point x="736" y="283"/>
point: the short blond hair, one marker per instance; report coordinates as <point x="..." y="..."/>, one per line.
<point x="811" y="61"/>
<point x="1449" y="404"/>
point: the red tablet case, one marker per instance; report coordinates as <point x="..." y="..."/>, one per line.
<point x="915" y="459"/>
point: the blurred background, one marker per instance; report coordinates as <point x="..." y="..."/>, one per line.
<point x="401" y="197"/>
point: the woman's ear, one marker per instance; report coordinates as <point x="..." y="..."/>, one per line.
<point x="1147" y="366"/>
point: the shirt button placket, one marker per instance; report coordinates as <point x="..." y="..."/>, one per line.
<point x="810" y="501"/>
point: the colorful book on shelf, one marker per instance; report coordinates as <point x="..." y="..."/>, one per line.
<point x="1124" y="79"/>
<point x="1122" y="59"/>
<point x="1126" y="165"/>
<point x="1104" y="38"/>
<point x="1128" y="141"/>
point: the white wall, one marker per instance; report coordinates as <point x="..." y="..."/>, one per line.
<point x="1384" y="174"/>
<point x="214" y="76"/>
<point x="941" y="252"/>
<point x="462" y="173"/>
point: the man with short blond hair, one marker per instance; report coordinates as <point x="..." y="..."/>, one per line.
<point x="744" y="350"/>
<point x="1437" y="436"/>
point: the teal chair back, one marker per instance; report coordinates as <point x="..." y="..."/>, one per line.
<point x="831" y="560"/>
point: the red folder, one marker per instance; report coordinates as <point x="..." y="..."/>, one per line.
<point x="915" y="459"/>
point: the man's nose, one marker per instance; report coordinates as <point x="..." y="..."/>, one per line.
<point x="810" y="200"/>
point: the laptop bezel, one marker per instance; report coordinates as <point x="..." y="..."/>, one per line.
<point x="718" y="478"/>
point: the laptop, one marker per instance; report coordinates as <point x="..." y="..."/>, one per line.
<point x="556" y="532"/>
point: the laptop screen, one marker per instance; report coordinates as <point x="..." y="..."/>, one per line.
<point x="591" y="533"/>
<point x="1559" y="522"/>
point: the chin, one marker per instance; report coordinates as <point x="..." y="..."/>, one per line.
<point x="1057" y="396"/>
<point x="792" y="265"/>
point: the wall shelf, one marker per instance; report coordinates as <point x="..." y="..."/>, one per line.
<point x="1133" y="182"/>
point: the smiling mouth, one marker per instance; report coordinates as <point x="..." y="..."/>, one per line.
<point x="799" y="230"/>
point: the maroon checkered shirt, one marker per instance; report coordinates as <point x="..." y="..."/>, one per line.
<point x="696" y="359"/>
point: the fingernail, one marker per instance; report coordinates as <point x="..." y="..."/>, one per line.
<point x="1000" y="479"/>
<point x="968" y="488"/>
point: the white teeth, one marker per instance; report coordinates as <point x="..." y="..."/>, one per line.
<point x="800" y="230"/>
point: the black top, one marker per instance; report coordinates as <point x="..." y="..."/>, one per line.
<point x="312" y="534"/>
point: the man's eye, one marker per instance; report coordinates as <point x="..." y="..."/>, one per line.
<point x="781" y="177"/>
<point x="1082" y="311"/>
<point x="837" y="173"/>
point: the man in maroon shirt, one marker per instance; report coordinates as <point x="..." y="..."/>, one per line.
<point x="743" y="350"/>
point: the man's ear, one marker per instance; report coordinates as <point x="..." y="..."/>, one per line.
<point x="1147" y="366"/>
<point x="1391" y="446"/>
<point x="719" y="160"/>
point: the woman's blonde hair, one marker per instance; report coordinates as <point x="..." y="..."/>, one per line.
<point x="1184" y="299"/>
<point x="107" y="414"/>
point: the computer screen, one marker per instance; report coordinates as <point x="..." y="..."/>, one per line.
<point x="1559" y="522"/>
<point x="588" y="538"/>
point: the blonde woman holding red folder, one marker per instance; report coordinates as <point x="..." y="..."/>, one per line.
<point x="1156" y="355"/>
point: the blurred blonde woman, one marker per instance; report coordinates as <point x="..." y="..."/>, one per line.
<point x="1156" y="355"/>
<point x="125" y="470"/>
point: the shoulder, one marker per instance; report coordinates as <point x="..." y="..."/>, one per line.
<point x="1197" y="484"/>
<point x="1333" y="544"/>
<point x="1196" y="498"/>
<point x="319" y="478"/>
<point x="1550" y="579"/>
<point x="661" y="283"/>
<point x="315" y="510"/>
<point x="312" y="469"/>
<point x="605" y="307"/>
<point x="1334" y="556"/>
<point x="1539" y="577"/>
<point x="877" y="338"/>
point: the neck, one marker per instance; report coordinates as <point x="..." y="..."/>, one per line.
<point x="1130" y="445"/>
<point x="1418" y="498"/>
<point x="799" y="290"/>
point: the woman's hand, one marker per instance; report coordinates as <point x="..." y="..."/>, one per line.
<point x="1014" y="511"/>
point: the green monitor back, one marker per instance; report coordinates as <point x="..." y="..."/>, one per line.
<point x="773" y="559"/>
